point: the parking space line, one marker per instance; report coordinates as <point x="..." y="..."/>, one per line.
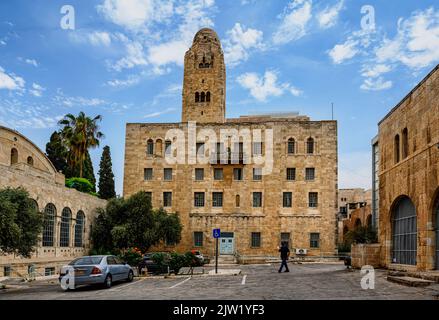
<point x="243" y="279"/>
<point x="126" y="285"/>
<point x="180" y="283"/>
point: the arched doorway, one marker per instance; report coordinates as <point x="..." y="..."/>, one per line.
<point x="14" y="156"/>
<point x="404" y="232"/>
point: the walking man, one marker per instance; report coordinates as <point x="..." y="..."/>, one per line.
<point x="284" y="255"/>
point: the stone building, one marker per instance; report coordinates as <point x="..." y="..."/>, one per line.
<point x="260" y="179"/>
<point x="69" y="212"/>
<point x="408" y="175"/>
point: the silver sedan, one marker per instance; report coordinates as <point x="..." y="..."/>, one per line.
<point x="102" y="270"/>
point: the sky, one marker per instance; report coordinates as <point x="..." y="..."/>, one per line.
<point x="123" y="59"/>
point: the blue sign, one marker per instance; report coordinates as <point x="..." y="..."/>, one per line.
<point x="216" y="233"/>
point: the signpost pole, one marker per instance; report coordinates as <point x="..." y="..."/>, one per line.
<point x="216" y="256"/>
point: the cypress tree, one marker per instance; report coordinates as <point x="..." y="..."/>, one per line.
<point x="57" y="152"/>
<point x="106" y="176"/>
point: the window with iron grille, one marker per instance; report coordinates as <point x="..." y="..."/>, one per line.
<point x="257" y="174"/>
<point x="217" y="199"/>
<point x="198" y="239"/>
<point x="257" y="199"/>
<point x="257" y="148"/>
<point x="49" y="271"/>
<point x="150" y="147"/>
<point x="167" y="174"/>
<point x="314" y="240"/>
<point x="199" y="174"/>
<point x="313" y="199"/>
<point x="310" y="146"/>
<point x="288" y="199"/>
<point x="79" y="229"/>
<point x="49" y="225"/>
<point x="218" y="174"/>
<point x="147" y="174"/>
<point x="310" y="174"/>
<point x="256" y="239"/>
<point x="168" y="147"/>
<point x="167" y="199"/>
<point x="291" y="174"/>
<point x="238" y="174"/>
<point x="291" y="146"/>
<point x="64" y="234"/>
<point x="199" y="199"/>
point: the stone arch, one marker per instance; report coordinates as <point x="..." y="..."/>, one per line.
<point x="49" y="225"/>
<point x="30" y="161"/>
<point x="208" y="96"/>
<point x="396" y="148"/>
<point x="404" y="231"/>
<point x="14" y="156"/>
<point x="159" y="147"/>
<point x="310" y="145"/>
<point x="197" y="97"/>
<point x="405" y="143"/>
<point x="203" y="97"/>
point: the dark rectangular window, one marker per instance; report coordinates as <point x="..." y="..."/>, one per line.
<point x="288" y="199"/>
<point x="147" y="174"/>
<point x="314" y="240"/>
<point x="49" y="271"/>
<point x="238" y="174"/>
<point x="7" y="271"/>
<point x="167" y="199"/>
<point x="167" y="174"/>
<point x="217" y="199"/>
<point x="199" y="174"/>
<point x="310" y="174"/>
<point x="218" y="174"/>
<point x="257" y="199"/>
<point x="313" y="199"/>
<point x="199" y="199"/>
<point x="257" y="174"/>
<point x="256" y="239"/>
<point x="200" y="149"/>
<point x="198" y="239"/>
<point x="291" y="174"/>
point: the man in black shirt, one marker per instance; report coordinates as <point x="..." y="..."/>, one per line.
<point x="284" y="255"/>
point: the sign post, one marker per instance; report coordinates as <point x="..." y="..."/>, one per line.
<point x="216" y="235"/>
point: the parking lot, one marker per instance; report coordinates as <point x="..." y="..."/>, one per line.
<point x="260" y="282"/>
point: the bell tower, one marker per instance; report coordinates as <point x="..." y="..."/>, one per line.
<point x="204" y="84"/>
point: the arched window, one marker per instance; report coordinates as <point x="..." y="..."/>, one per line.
<point x="404" y="232"/>
<point x="30" y="161"/>
<point x="14" y="156"/>
<point x="64" y="231"/>
<point x="405" y="143"/>
<point x="208" y="96"/>
<point x="397" y="149"/>
<point x="49" y="225"/>
<point x="35" y="205"/>
<point x="310" y="146"/>
<point x="291" y="146"/>
<point x="158" y="147"/>
<point x="203" y="97"/>
<point x="197" y="97"/>
<point x="168" y="147"/>
<point x="150" y="147"/>
<point x="357" y="223"/>
<point x="79" y="229"/>
<point x="238" y="201"/>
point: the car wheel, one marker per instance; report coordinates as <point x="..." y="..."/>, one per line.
<point x="130" y="276"/>
<point x="108" y="282"/>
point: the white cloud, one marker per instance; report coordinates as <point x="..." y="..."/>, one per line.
<point x="344" y="51"/>
<point x="2" y="43"/>
<point x="239" y="42"/>
<point x="60" y="98"/>
<point x="375" y="71"/>
<point x="377" y="84"/>
<point x="37" y="90"/>
<point x="98" y="38"/>
<point x="134" y="57"/>
<point x="11" y="81"/>
<point x="328" y="17"/>
<point x="130" y="81"/>
<point x="262" y="87"/>
<point x="136" y="15"/>
<point x="294" y="22"/>
<point x="159" y="113"/>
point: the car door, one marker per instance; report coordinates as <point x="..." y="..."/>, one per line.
<point x="112" y="265"/>
<point x="122" y="269"/>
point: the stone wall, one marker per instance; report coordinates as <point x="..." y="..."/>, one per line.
<point x="365" y="255"/>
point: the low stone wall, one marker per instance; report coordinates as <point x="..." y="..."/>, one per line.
<point x="365" y="255"/>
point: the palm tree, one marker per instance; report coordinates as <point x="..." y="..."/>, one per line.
<point x="80" y="134"/>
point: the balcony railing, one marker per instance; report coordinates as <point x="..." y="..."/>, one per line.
<point x="228" y="158"/>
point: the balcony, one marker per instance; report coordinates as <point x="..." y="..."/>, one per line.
<point x="228" y="158"/>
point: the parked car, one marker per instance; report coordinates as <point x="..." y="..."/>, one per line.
<point x="199" y="256"/>
<point x="102" y="270"/>
<point x="152" y="267"/>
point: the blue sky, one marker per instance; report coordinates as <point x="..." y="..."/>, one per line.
<point x="124" y="61"/>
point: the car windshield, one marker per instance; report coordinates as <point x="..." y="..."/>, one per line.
<point x="86" y="261"/>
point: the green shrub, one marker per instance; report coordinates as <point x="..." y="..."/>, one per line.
<point x="80" y="184"/>
<point x="132" y="256"/>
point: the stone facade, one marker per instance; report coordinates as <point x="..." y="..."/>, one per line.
<point x="365" y="255"/>
<point x="253" y="230"/>
<point x="23" y="164"/>
<point x="408" y="143"/>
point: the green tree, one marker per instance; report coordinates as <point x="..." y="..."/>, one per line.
<point x="87" y="174"/>
<point x="129" y="223"/>
<point x="79" y="134"/>
<point x="20" y="222"/>
<point x="57" y="152"/>
<point x="106" y="176"/>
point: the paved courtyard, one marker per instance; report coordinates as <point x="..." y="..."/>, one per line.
<point x="305" y="281"/>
